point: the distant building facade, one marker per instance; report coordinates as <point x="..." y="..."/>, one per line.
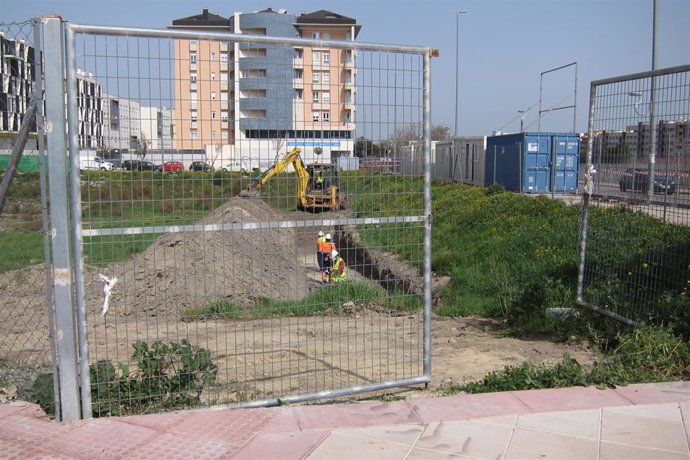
<point x="16" y="81"/>
<point x="245" y="99"/>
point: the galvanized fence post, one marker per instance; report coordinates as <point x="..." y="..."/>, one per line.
<point x="59" y="210"/>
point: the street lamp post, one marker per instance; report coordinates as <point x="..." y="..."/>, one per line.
<point x="522" y="119"/>
<point x="457" y="66"/>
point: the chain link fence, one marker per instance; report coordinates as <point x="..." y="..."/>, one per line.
<point x="27" y="349"/>
<point x="635" y="255"/>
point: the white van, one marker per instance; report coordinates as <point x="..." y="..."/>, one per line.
<point x="94" y="163"/>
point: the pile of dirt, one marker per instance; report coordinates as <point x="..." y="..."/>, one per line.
<point x="188" y="270"/>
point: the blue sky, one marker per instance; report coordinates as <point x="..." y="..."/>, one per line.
<point x="504" y="44"/>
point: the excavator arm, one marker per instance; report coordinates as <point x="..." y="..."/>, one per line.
<point x="278" y="167"/>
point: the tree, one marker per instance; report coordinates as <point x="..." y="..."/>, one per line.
<point x="143" y="145"/>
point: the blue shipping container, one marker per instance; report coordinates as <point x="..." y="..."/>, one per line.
<point x="533" y="162"/>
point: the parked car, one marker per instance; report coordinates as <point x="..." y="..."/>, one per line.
<point x="94" y="163"/>
<point x="116" y="164"/>
<point x="129" y="165"/>
<point x="170" y="166"/>
<point x="235" y="166"/>
<point x="638" y="180"/>
<point x="144" y="166"/>
<point x="200" y="166"/>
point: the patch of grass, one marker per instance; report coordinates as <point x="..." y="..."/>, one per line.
<point x="328" y="298"/>
<point x="647" y="354"/>
<point x="20" y="249"/>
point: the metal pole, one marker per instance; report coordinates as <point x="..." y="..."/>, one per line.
<point x="457" y="68"/>
<point x="426" y="119"/>
<point x="541" y="87"/>
<point x="575" y="103"/>
<point x="75" y="201"/>
<point x="652" y="105"/>
<point x="59" y="213"/>
<point x="40" y="131"/>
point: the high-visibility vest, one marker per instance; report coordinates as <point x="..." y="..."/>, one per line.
<point x="339" y="270"/>
<point x="320" y="241"/>
<point x="328" y="247"/>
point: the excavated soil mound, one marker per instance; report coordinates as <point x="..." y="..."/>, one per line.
<point x="188" y="270"/>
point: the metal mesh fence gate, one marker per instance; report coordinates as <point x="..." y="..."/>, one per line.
<point x="201" y="168"/>
<point x="635" y="250"/>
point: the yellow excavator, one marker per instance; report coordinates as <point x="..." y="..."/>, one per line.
<point x="317" y="185"/>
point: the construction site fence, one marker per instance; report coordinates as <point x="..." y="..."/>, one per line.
<point x="166" y="284"/>
<point x="634" y="263"/>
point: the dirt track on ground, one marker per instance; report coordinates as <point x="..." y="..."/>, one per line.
<point x="344" y="346"/>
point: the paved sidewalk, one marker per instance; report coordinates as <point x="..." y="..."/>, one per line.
<point x="648" y="421"/>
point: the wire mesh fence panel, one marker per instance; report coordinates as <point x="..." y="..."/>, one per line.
<point x="210" y="166"/>
<point x="635" y="258"/>
<point x="25" y="297"/>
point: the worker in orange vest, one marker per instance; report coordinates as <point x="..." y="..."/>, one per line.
<point x="327" y="247"/>
<point x="320" y="240"/>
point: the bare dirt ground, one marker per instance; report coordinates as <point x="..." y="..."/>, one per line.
<point x="346" y="345"/>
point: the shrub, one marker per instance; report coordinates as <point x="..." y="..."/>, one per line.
<point x="165" y="376"/>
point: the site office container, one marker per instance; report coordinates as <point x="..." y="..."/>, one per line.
<point x="533" y="162"/>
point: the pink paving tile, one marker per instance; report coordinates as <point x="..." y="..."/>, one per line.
<point x="354" y="415"/>
<point x="467" y="406"/>
<point x="159" y="422"/>
<point x="651" y="393"/>
<point x="105" y="437"/>
<point x="19" y="407"/>
<point x="286" y="420"/>
<point x="295" y="445"/>
<point x="231" y="426"/>
<point x="171" y="447"/>
<point x="573" y="398"/>
<point x="31" y="431"/>
<point x="9" y="449"/>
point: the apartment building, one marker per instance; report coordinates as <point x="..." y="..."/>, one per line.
<point x="238" y="100"/>
<point x="16" y="82"/>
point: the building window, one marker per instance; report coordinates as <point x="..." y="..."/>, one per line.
<point x="223" y="116"/>
<point x="316" y="57"/>
<point x="213" y="115"/>
<point x="316" y="35"/>
<point x="326" y="116"/>
<point x="315" y="77"/>
<point x="192" y="77"/>
<point x="213" y="134"/>
<point x="326" y="96"/>
<point x="192" y="57"/>
<point x="194" y="115"/>
<point x="223" y="57"/>
<point x="213" y="76"/>
<point x="315" y="116"/>
<point x="326" y="57"/>
<point x="213" y="95"/>
<point x="213" y="56"/>
<point x="326" y="77"/>
<point x="192" y="97"/>
<point x="298" y="94"/>
<point x="224" y="135"/>
<point x="315" y="96"/>
<point x="194" y="134"/>
<point x="298" y="74"/>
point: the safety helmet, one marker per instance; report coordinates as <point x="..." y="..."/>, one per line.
<point x="320" y="233"/>
<point x="328" y="236"/>
<point x="334" y="254"/>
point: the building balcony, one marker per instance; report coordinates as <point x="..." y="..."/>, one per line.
<point x="192" y="45"/>
<point x="349" y="105"/>
<point x="320" y="105"/>
<point x="224" y="125"/>
<point x="224" y="85"/>
<point x="298" y="83"/>
<point x="192" y="86"/>
<point x="224" y="105"/>
<point x="320" y="65"/>
<point x="349" y="84"/>
<point x="193" y="125"/>
<point x="192" y="65"/>
<point x="223" y="46"/>
<point x="223" y="66"/>
<point x="298" y="63"/>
